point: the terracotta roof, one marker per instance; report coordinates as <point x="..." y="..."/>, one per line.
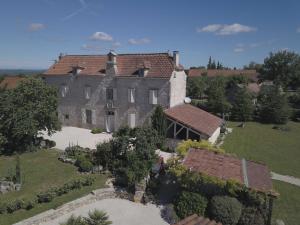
<point x="11" y="81"/>
<point x="197" y="220"/>
<point x="252" y="74"/>
<point x="253" y="175"/>
<point x="159" y="64"/>
<point x="195" y="118"/>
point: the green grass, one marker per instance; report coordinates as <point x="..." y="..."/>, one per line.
<point x="41" y="170"/>
<point x="280" y="150"/>
<point x="287" y="207"/>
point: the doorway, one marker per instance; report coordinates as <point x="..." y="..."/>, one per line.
<point x="110" y="121"/>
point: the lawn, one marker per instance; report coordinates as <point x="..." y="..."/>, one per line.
<point x="287" y="207"/>
<point x="280" y="150"/>
<point x="41" y="170"/>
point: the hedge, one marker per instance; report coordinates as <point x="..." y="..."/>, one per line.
<point x="45" y="196"/>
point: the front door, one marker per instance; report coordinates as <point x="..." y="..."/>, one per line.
<point x="110" y="121"/>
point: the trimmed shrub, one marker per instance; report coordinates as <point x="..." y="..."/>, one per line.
<point x="85" y="166"/>
<point x="251" y="216"/>
<point x="13" y="206"/>
<point x="2" y="207"/>
<point x="225" y="209"/>
<point x="189" y="203"/>
<point x="29" y="203"/>
<point x="50" y="143"/>
<point x="46" y="196"/>
<point x="96" y="130"/>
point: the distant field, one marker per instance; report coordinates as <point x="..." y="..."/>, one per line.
<point x="280" y="150"/>
<point x="41" y="170"/>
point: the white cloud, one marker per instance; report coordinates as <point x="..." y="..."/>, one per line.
<point x="210" y="28"/>
<point x="116" y="44"/>
<point x="238" y="50"/>
<point x="93" y="48"/>
<point x="298" y="30"/>
<point x="139" y="41"/>
<point x="226" y="29"/>
<point x="36" y="27"/>
<point x="101" y="36"/>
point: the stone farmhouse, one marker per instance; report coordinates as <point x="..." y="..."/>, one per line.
<point x="108" y="91"/>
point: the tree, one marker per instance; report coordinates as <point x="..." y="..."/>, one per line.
<point x="159" y="122"/>
<point x="103" y="155"/>
<point x="213" y="65"/>
<point x="225" y="209"/>
<point x="273" y="105"/>
<point x="253" y="66"/>
<point x="196" y="87"/>
<point x="97" y="218"/>
<point x="216" y="101"/>
<point x="242" y="106"/>
<point x="283" y="68"/>
<point x="190" y="203"/>
<point x="26" y="110"/>
<point x="209" y="63"/>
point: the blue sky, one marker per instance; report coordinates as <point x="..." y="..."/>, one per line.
<point x="34" y="32"/>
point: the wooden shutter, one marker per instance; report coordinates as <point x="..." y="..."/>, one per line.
<point x="114" y="94"/>
<point x="83" y="116"/>
<point x="94" y="117"/>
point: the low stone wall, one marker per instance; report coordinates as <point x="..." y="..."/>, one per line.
<point x="8" y="186"/>
<point x="51" y="214"/>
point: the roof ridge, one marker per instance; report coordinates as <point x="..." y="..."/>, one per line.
<point x="121" y="54"/>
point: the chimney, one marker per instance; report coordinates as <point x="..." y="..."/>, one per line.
<point x="60" y="56"/>
<point x="111" y="65"/>
<point x="176" y="58"/>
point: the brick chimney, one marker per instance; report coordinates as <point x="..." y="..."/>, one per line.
<point x="111" y="65"/>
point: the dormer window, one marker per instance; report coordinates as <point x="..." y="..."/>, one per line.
<point x="144" y="69"/>
<point x="77" y="70"/>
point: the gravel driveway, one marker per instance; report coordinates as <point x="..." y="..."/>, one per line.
<point x="120" y="211"/>
<point x="77" y="136"/>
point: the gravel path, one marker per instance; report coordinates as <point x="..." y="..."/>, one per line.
<point x="285" y="178"/>
<point x="120" y="211"/>
<point x="74" y="135"/>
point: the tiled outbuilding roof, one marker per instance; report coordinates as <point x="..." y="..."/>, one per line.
<point x="11" y="81"/>
<point x="253" y="175"/>
<point x="195" y="118"/>
<point x="159" y="64"/>
<point x="251" y="74"/>
<point x="197" y="220"/>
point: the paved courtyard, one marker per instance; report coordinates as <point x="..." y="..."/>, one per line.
<point x="120" y="211"/>
<point x="77" y="136"/>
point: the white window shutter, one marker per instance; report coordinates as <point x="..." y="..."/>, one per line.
<point x="83" y="116"/>
<point x="114" y="94"/>
<point x="94" y="117"/>
<point x="131" y="120"/>
<point x="155" y="97"/>
<point x="151" y="96"/>
<point x="131" y="95"/>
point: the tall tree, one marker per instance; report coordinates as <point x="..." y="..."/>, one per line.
<point x="26" y="110"/>
<point x="213" y="65"/>
<point x="196" y="86"/>
<point x="217" y="101"/>
<point x="242" y="106"/>
<point x="209" y="63"/>
<point x="273" y="105"/>
<point x="283" y="68"/>
<point x="158" y="120"/>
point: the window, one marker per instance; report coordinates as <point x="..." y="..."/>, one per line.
<point x="66" y="116"/>
<point x="131" y="120"/>
<point x="109" y="94"/>
<point x="87" y="92"/>
<point x="131" y="95"/>
<point x="153" y="97"/>
<point x="63" y="90"/>
<point x="88" y="116"/>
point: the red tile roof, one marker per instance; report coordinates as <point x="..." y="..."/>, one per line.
<point x="197" y="220"/>
<point x="11" y="81"/>
<point x="252" y="74"/>
<point x="253" y="175"/>
<point x="159" y="64"/>
<point x="195" y="118"/>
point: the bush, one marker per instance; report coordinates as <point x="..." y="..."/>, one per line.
<point x="251" y="216"/>
<point x="13" y="206"/>
<point x="46" y="196"/>
<point x="96" y="130"/>
<point x="2" y="207"/>
<point x="84" y="164"/>
<point x="184" y="146"/>
<point x="189" y="203"/>
<point x="50" y="143"/>
<point x="74" y="151"/>
<point x="169" y="215"/>
<point x="226" y="210"/>
<point x="29" y="203"/>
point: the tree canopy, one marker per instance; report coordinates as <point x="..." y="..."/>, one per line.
<point x="283" y="68"/>
<point x="242" y="106"/>
<point x="26" y="110"/>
